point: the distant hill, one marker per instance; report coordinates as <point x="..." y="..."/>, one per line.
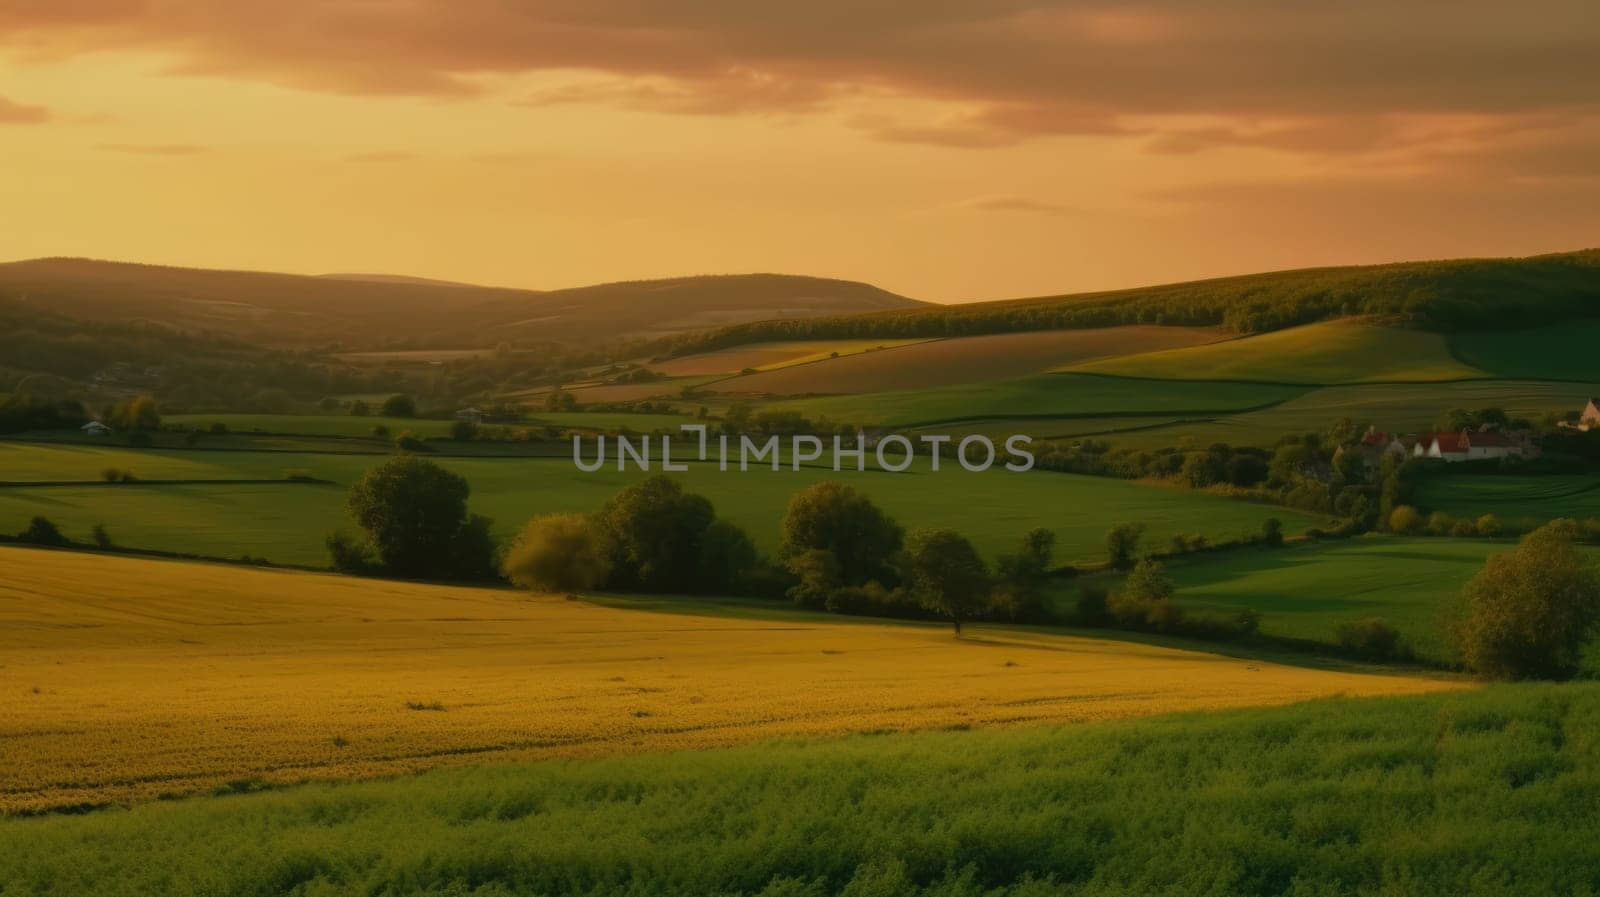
<point x="1464" y="294"/>
<point x="388" y="311"/>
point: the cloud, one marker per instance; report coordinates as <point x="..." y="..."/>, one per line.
<point x="13" y="113"/>
<point x="154" y="149"/>
<point x="1304" y="78"/>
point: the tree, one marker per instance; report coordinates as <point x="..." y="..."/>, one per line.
<point x="726" y="556"/>
<point x="559" y="399"/>
<point x="399" y="406"/>
<point x="42" y="531"/>
<point x="1122" y="543"/>
<point x="1272" y="532"/>
<point x="833" y="517"/>
<point x="415" y="515"/>
<point x="946" y="574"/>
<point x="558" y="553"/>
<point x="463" y="431"/>
<point x="655" y="531"/>
<point x="1019" y="594"/>
<point x="1145" y="598"/>
<point x="1529" y="612"/>
<point x="359" y="408"/>
<point x="135" y="414"/>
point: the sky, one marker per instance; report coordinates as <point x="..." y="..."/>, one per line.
<point x="949" y="150"/>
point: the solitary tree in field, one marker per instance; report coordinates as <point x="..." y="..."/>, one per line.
<point x="656" y="532"/>
<point x="947" y="575"/>
<point x="135" y="414"/>
<point x="1529" y="611"/>
<point x="415" y="514"/>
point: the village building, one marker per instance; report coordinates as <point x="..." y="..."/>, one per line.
<point x="1472" y="445"/>
<point x="471" y="415"/>
<point x="96" y="428"/>
<point x="1588" y="419"/>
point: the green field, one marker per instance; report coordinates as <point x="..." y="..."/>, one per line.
<point x="1483" y="792"/>
<point x="1306" y="590"/>
<point x="1513" y="498"/>
<point x="347" y="425"/>
<point x="287" y="522"/>
<point x="1332" y="352"/>
<point x="1561" y="352"/>
<point x="1399" y="407"/>
<point x="1045" y="395"/>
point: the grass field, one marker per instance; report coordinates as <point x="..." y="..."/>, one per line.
<point x="1305" y="591"/>
<point x="1044" y="395"/>
<point x="1333" y="352"/>
<point x="128" y="679"/>
<point x="347" y="425"/>
<point x="287" y="522"/>
<point x="970" y="359"/>
<point x="767" y="356"/>
<point x="1399" y="407"/>
<point x="1485" y="792"/>
<point x="1561" y="352"/>
<point x="1513" y="498"/>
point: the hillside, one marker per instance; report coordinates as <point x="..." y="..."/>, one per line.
<point x="371" y="310"/>
<point x="1460" y="294"/>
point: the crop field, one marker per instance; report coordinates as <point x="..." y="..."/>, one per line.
<point x="1306" y="590"/>
<point x="1513" y="498"/>
<point x="768" y="356"/>
<point x="1562" y="352"/>
<point x="968" y="359"/>
<point x="1328" y="353"/>
<point x="1041" y="396"/>
<point x="129" y="679"/>
<point x="286" y="522"/>
<point x="344" y="425"/>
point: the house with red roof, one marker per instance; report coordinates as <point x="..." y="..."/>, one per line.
<point x="1471" y="445"/>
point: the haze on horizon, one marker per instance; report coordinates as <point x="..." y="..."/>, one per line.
<point x="944" y="150"/>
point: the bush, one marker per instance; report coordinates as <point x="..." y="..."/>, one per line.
<point x="727" y="557"/>
<point x="1122" y="543"/>
<point x="1529" y="611"/>
<point x="1372" y="639"/>
<point x="399" y="406"/>
<point x="558" y="553"/>
<point x="349" y="555"/>
<point x="463" y="431"/>
<point x="1019" y="592"/>
<point x="41" y="531"/>
<point x="1487" y="526"/>
<point x="1272" y="532"/>
<point x="1405" y="519"/>
<point x="101" y="537"/>
<point x="410" y="442"/>
<point x="1145" y="599"/>
<point x="1441" y="524"/>
<point x="117" y="475"/>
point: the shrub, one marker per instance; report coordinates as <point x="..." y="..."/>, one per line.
<point x="349" y="555"/>
<point x="41" y="531"/>
<point x="1019" y="592"/>
<point x="727" y="556"/>
<point x="1441" y="524"/>
<point x="1272" y="532"/>
<point x="463" y="431"/>
<point x="410" y="442"/>
<point x="1487" y="526"/>
<point x="1529" y="611"/>
<point x="1122" y="543"/>
<point x="1371" y="638"/>
<point x="101" y="537"/>
<point x="359" y="408"/>
<point x="1405" y="519"/>
<point x="1145" y="599"/>
<point x="556" y="553"/>
<point x="399" y="406"/>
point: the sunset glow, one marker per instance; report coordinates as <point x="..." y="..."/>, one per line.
<point x="946" y="151"/>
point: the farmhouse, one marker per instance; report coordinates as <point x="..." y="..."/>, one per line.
<point x="471" y="415"/>
<point x="1376" y="444"/>
<point x="1589" y="419"/>
<point x="1471" y="445"/>
<point x="96" y="428"/>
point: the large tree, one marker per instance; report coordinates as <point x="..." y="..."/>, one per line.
<point x="1529" y="612"/>
<point x="656" y="532"/>
<point x="415" y="514"/>
<point x="947" y="575"/>
<point x="830" y="516"/>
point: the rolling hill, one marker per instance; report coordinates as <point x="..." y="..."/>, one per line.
<point x="374" y="310"/>
<point x="1461" y="294"/>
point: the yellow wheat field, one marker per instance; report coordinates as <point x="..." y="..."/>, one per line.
<point x="125" y="679"/>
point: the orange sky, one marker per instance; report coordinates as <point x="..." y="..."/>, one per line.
<point x="944" y="149"/>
